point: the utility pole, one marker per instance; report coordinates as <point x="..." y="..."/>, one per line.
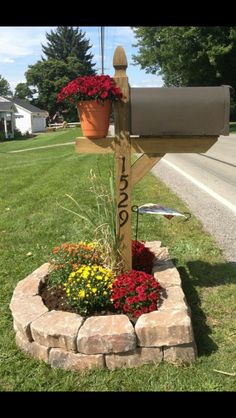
<point x="102" y="47"/>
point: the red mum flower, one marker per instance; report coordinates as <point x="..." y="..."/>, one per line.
<point x="142" y="257"/>
<point x="143" y="297"/>
<point x="96" y="87"/>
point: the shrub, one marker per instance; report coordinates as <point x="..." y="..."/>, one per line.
<point x="17" y="133"/>
<point x="88" y="289"/>
<point x="142" y="257"/>
<point x="68" y="257"/>
<point x="135" y="293"/>
<point x="2" y="136"/>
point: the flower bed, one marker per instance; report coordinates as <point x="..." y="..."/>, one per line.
<point x="85" y="283"/>
<point x="68" y="340"/>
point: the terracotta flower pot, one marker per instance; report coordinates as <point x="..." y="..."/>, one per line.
<point x="94" y="118"/>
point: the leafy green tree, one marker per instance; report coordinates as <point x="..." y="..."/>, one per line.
<point x="5" y="89"/>
<point x="188" y="56"/>
<point x="22" y="91"/>
<point x="67" y="57"/>
<point x="49" y="77"/>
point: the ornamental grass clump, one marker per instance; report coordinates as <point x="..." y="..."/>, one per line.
<point x="135" y="293"/>
<point x="101" y="218"/>
<point x="88" y="289"/>
<point x="68" y="257"/>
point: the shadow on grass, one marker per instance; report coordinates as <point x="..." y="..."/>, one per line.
<point x="20" y="138"/>
<point x="202" y="274"/>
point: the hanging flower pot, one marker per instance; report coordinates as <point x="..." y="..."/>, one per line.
<point x="93" y="96"/>
<point x="94" y="118"/>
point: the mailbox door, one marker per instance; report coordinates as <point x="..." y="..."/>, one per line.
<point x="180" y="111"/>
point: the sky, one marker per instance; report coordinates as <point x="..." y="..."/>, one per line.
<point x="21" y="46"/>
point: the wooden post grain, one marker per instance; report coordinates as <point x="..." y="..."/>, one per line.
<point x="123" y="159"/>
<point x="142" y="165"/>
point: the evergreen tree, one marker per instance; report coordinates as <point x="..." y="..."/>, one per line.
<point x="67" y="41"/>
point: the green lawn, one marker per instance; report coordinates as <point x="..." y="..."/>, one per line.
<point x="232" y="127"/>
<point x="32" y="184"/>
<point x="60" y="137"/>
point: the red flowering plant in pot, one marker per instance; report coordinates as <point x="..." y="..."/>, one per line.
<point x="93" y="96"/>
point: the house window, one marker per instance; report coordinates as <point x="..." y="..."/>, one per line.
<point x="9" y="126"/>
<point x="2" y="125"/>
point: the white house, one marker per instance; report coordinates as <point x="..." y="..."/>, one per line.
<point x="22" y="115"/>
<point x="28" y="117"/>
<point x="7" y="110"/>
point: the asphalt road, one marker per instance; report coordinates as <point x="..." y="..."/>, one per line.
<point x="207" y="184"/>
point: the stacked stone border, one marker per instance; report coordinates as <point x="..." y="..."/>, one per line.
<point x="66" y="340"/>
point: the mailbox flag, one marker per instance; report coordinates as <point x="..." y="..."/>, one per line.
<point x="156" y="209"/>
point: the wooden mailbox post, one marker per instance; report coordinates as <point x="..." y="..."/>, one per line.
<point x="152" y="148"/>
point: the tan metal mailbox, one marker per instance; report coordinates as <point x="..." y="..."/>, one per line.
<point x="180" y="111"/>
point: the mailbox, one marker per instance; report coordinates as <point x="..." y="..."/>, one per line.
<point x="184" y="111"/>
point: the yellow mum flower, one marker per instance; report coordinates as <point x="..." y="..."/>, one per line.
<point x="85" y="275"/>
<point x="81" y="294"/>
<point x="94" y="289"/>
<point x="92" y="244"/>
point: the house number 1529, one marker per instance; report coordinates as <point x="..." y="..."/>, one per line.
<point x="123" y="196"/>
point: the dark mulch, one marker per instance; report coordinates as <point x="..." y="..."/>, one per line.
<point x="54" y="298"/>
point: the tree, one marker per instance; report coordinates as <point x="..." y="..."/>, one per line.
<point x="67" y="58"/>
<point x="22" y="91"/>
<point x="5" y="89"/>
<point x="188" y="56"/>
<point x="67" y="42"/>
<point x="49" y="77"/>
